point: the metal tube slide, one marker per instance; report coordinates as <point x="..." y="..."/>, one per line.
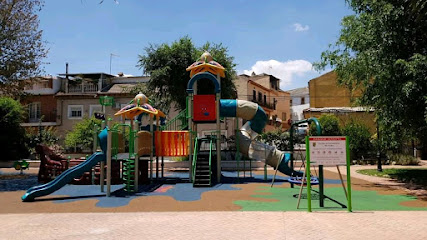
<point x="256" y="121"/>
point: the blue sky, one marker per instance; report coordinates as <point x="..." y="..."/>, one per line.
<point x="278" y="37"/>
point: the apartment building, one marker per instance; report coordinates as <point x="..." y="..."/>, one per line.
<point x="40" y="102"/>
<point x="264" y="90"/>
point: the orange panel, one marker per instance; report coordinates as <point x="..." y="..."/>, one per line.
<point x="172" y="143"/>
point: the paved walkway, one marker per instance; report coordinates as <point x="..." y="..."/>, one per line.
<point x="374" y="179"/>
<point x="382" y="180"/>
<point x="216" y="225"/>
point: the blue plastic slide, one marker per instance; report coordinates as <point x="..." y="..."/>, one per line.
<point x="63" y="179"/>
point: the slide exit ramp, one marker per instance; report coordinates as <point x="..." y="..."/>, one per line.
<point x="63" y="179"/>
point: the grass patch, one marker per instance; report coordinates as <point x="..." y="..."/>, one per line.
<point x="412" y="176"/>
<point x="179" y="159"/>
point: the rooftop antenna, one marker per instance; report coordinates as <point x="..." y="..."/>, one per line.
<point x="111" y="58"/>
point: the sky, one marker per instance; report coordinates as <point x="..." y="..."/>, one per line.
<point x="278" y="37"/>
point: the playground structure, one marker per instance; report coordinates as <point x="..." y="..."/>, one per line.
<point x="210" y="108"/>
<point x="177" y="141"/>
<point x="52" y="165"/>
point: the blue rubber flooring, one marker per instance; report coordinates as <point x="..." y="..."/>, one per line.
<point x="176" y="185"/>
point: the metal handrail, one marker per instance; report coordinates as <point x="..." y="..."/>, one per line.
<point x="173" y="123"/>
<point x="210" y="161"/>
<point x="194" y="160"/>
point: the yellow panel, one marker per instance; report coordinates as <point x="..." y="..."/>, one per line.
<point x="133" y="112"/>
<point x="206" y="67"/>
<point x="144" y="143"/>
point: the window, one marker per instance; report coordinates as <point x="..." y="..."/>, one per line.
<point x="265" y="99"/>
<point x="75" y="111"/>
<point x="34" y="111"/>
<point x="259" y="96"/>
<point x="302" y="100"/>
<point x="94" y="108"/>
<point x="284" y="117"/>
<point x="253" y="95"/>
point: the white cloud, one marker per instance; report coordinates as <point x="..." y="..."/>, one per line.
<point x="285" y="71"/>
<point x="300" y="28"/>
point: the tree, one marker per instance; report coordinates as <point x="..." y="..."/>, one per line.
<point x="359" y="138"/>
<point x="82" y="133"/>
<point x="156" y="100"/>
<point x="12" y="137"/>
<point x="166" y="66"/>
<point x="382" y="50"/>
<point x="21" y="45"/>
<point x="277" y="138"/>
<point x="330" y="126"/>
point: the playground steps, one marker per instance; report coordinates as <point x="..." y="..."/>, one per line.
<point x="129" y="175"/>
<point x="203" y="173"/>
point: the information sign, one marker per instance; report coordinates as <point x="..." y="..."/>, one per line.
<point x="328" y="151"/>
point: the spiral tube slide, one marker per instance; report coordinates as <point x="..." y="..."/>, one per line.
<point x="257" y="120"/>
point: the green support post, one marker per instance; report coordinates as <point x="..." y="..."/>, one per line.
<point x="321" y="187"/>
<point x="237" y="149"/>
<point x="291" y="144"/>
<point x="307" y="149"/>
<point x="349" y="207"/>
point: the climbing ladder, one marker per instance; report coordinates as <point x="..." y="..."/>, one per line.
<point x="202" y="163"/>
<point x="128" y="170"/>
<point x="129" y="175"/>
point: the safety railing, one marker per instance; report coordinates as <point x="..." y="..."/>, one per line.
<point x="194" y="159"/>
<point x="210" y="160"/>
<point x="179" y="122"/>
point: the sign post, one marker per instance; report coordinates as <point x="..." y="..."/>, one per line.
<point x="328" y="151"/>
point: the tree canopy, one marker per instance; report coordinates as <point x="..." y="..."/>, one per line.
<point x="21" y="46"/>
<point x="12" y="136"/>
<point x="382" y="49"/>
<point x="166" y="64"/>
<point x="82" y="133"/>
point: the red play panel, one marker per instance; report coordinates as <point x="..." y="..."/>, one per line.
<point x="204" y="108"/>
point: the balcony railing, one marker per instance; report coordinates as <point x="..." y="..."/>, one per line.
<point x="82" y="88"/>
<point x="263" y="104"/>
<point x="47" y="117"/>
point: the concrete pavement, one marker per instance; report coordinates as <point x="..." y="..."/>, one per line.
<point x="216" y="225"/>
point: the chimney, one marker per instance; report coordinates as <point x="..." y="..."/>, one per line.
<point x="66" y="77"/>
<point x="66" y="70"/>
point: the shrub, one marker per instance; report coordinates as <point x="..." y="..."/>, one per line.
<point x="82" y="134"/>
<point x="276" y="138"/>
<point x="47" y="136"/>
<point x="180" y="159"/>
<point x="330" y="126"/>
<point x="12" y="137"/>
<point x="359" y="138"/>
<point x="403" y="159"/>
